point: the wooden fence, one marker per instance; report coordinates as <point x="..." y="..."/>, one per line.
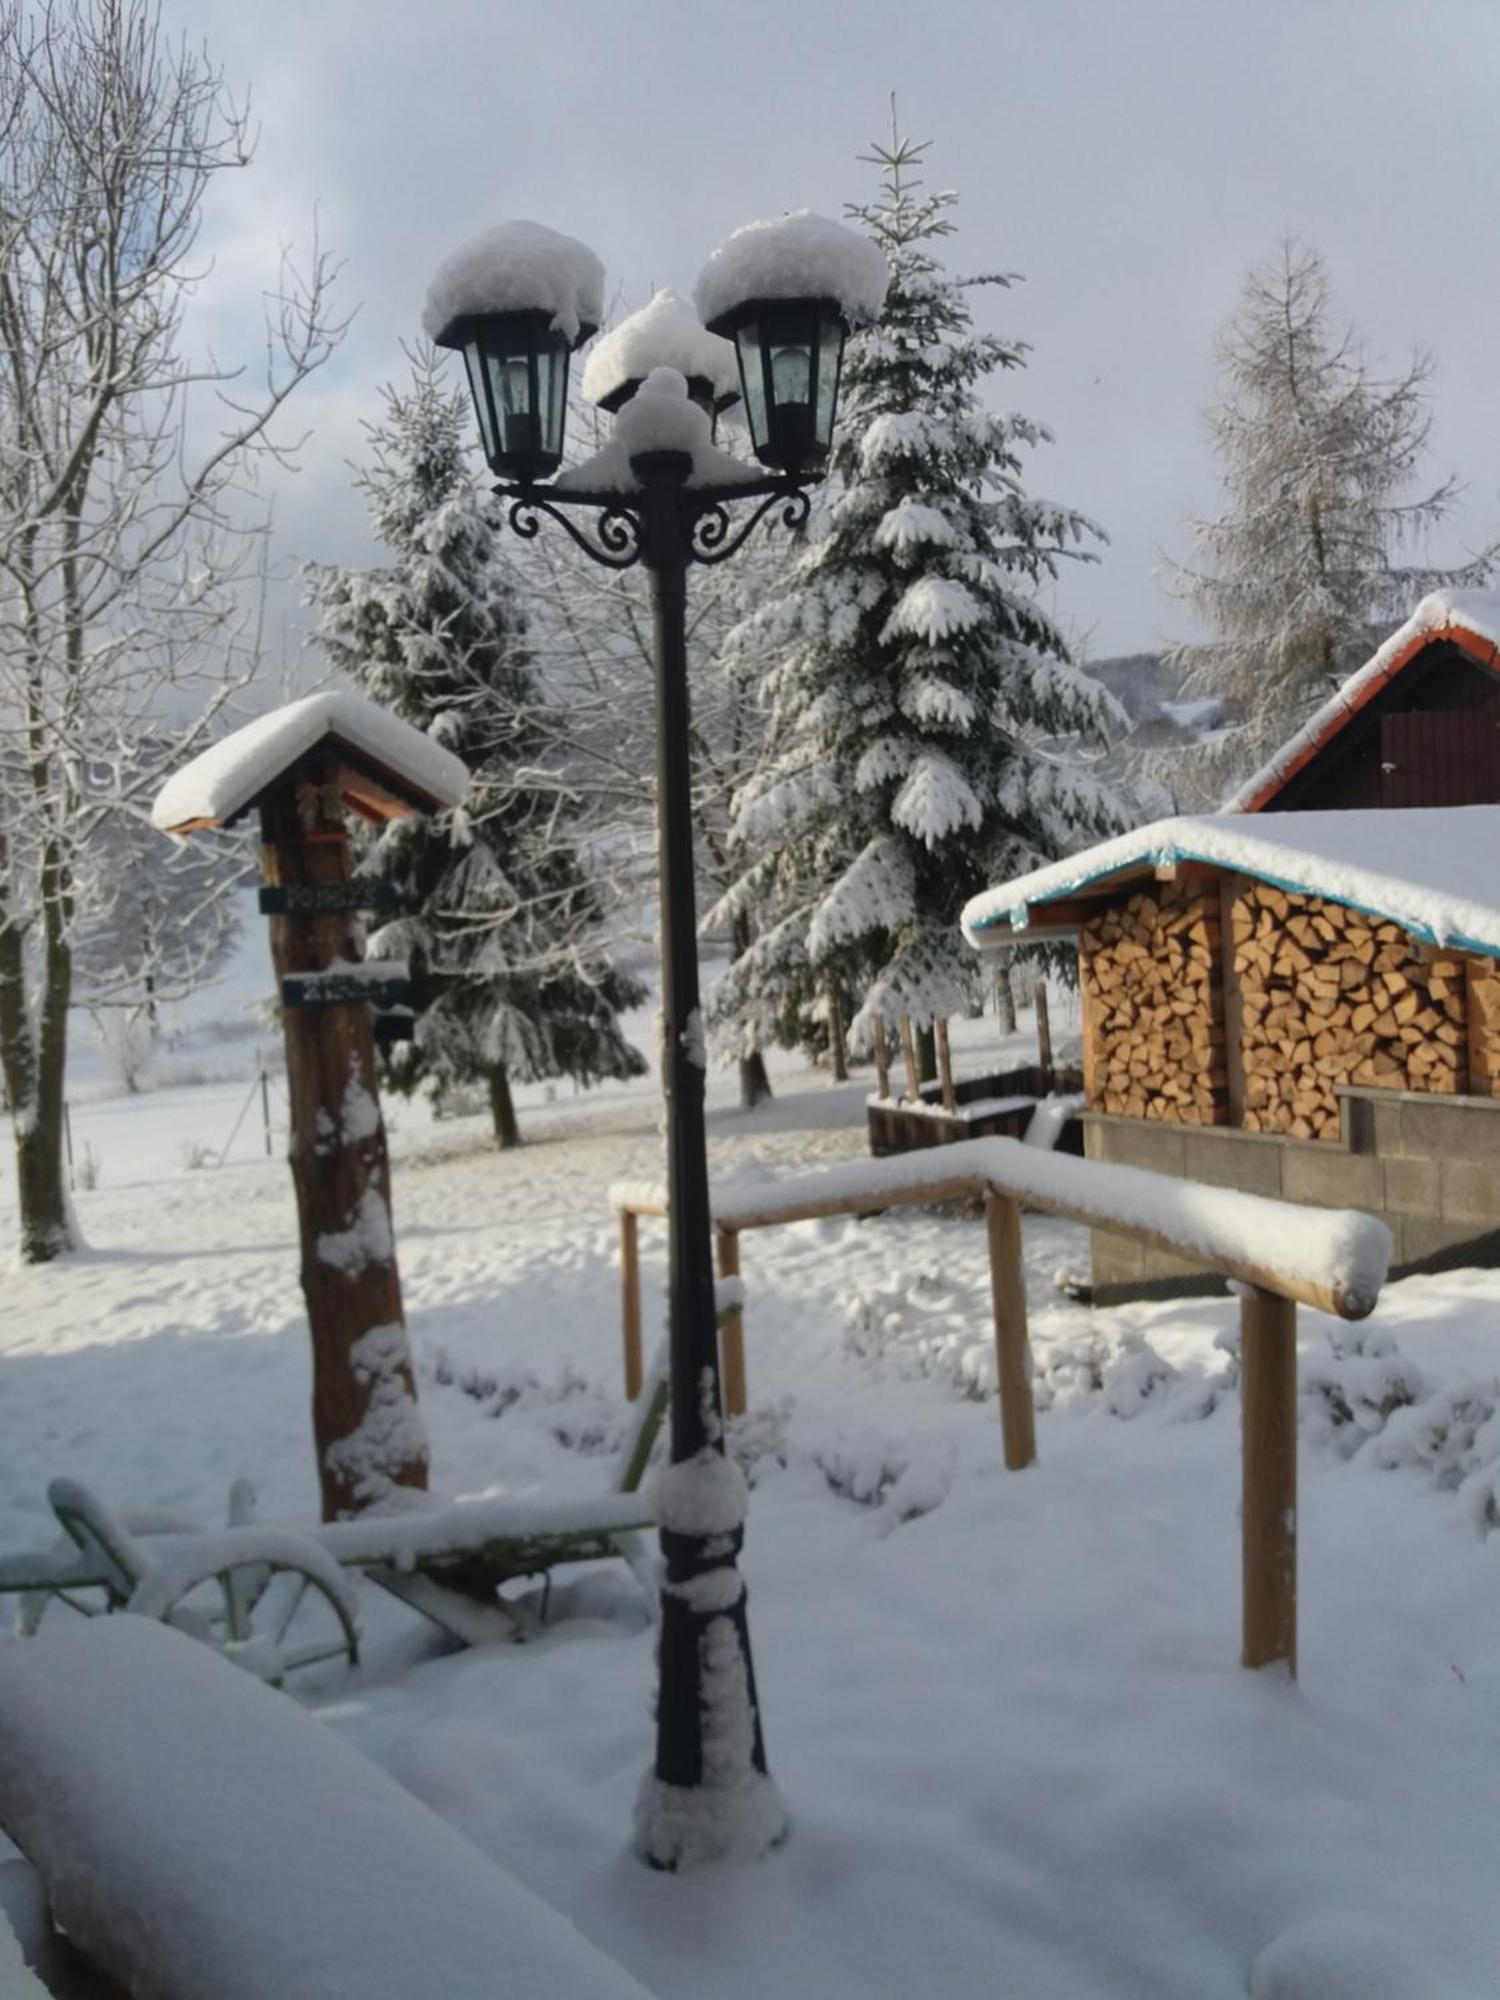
<point x="1332" y="1260"/>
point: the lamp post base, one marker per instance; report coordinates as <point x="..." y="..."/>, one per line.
<point x="683" y="1826"/>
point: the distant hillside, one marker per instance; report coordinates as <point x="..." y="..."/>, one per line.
<point x="1150" y="692"/>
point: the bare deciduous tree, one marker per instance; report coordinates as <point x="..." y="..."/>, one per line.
<point x="128" y="523"/>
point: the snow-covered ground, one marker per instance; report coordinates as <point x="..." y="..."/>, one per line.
<point x="1004" y="1709"/>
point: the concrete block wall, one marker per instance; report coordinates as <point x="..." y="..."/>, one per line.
<point x="1429" y="1167"/>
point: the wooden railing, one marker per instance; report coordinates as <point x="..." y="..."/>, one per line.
<point x="1331" y="1259"/>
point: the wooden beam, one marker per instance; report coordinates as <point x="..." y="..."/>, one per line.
<point x="1268" y="1505"/>
<point x="909" y="1056"/>
<point x="1002" y="1217"/>
<point x="731" y="1328"/>
<point x="1234" y="1009"/>
<point x="630" y="1301"/>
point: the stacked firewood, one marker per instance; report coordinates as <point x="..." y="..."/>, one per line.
<point x="1154" y="1014"/>
<point x="1484" y="1027"/>
<point x="1329" y="996"/>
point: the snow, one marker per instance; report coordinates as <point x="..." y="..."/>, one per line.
<point x="231" y="774"/>
<point x="1429" y="869"/>
<point x="199" y="1835"/>
<point x="796" y="256"/>
<point x="518" y="267"/>
<point x="934" y="608"/>
<point x="390" y="1437"/>
<point x="368" y="1239"/>
<point x="1005" y="1710"/>
<point x="702" y="1495"/>
<point x="1473" y="611"/>
<point x="660" y="416"/>
<point x="667" y="333"/>
<point x="1340" y="1248"/>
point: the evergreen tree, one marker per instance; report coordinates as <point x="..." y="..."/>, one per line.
<point x="502" y="926"/>
<point x="1299" y="580"/>
<point x="927" y="726"/>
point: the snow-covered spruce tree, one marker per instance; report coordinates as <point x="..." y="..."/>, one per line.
<point x="929" y="734"/>
<point x="1299" y="578"/>
<point x="501" y="924"/>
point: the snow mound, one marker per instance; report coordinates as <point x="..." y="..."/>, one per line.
<point x="518" y="267"/>
<point x="1343" y="1957"/>
<point x="667" y="333"/>
<point x="660" y="416"/>
<point x="798" y="256"/>
<point x="230" y="774"/>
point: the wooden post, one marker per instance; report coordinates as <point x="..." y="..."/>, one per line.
<point x="1002" y="1217"/>
<point x="882" y="1059"/>
<point x="1043" y="1033"/>
<point x="909" y="1057"/>
<point x="945" y="1066"/>
<point x="368" y="1434"/>
<point x="1268" y="1507"/>
<point x="630" y="1301"/>
<point x="731" y="1328"/>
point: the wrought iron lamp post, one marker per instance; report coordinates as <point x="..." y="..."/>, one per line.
<point x="660" y="495"/>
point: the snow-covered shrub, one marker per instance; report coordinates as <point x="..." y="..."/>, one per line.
<point x="87" y="1168"/>
<point x="1352" y="1392"/>
<point x="759" y="1438"/>
<point x="1134" y="1374"/>
<point x="195" y="1155"/>
<point x="864" y="1474"/>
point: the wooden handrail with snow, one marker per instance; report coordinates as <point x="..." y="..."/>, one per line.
<point x="1284" y="1253"/>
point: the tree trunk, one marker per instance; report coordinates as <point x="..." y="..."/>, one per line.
<point x="1005" y="1001"/>
<point x="755" y="1085"/>
<point x="503" y="1109"/>
<point x="34" y="1080"/>
<point x="367" y="1429"/>
<point x="927" y="1054"/>
<point x="838" y="1053"/>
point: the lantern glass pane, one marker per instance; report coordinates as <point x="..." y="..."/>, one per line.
<point x="510" y="382"/>
<point x="552" y="368"/>
<point x="753" y="382"/>
<point x="474" y="362"/>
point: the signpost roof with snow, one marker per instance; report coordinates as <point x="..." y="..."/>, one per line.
<point x="384" y="768"/>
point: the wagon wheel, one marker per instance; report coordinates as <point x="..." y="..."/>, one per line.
<point x="111" y="1592"/>
<point x="272" y="1617"/>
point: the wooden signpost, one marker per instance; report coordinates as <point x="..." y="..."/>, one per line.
<point x="341" y="755"/>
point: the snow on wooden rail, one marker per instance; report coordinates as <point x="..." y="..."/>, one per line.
<point x="1334" y="1259"/>
<point x="197" y="1834"/>
<point x="1282" y="1252"/>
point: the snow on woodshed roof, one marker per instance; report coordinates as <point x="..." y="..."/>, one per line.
<point x="1470" y="618"/>
<point x="230" y="775"/>
<point x="1430" y="869"/>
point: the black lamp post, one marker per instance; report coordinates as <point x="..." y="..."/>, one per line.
<point x="705" y="1798"/>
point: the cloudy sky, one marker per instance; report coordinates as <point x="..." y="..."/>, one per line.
<point x="1129" y="157"/>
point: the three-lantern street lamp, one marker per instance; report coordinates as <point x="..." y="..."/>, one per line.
<point x="778" y="299"/>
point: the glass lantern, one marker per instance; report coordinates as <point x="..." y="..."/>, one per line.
<point x="518" y="375"/>
<point x="789" y="351"/>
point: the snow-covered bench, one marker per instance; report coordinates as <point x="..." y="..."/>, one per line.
<point x="198" y="1835"/>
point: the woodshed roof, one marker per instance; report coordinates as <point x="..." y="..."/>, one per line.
<point x="1435" y="870"/>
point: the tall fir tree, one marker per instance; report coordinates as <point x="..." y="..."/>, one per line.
<point x="503" y="928"/>
<point x="1300" y="578"/>
<point x="929" y="733"/>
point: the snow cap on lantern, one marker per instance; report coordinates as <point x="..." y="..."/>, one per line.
<point x="787" y="292"/>
<point x="667" y="333"/>
<point x="516" y="300"/>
